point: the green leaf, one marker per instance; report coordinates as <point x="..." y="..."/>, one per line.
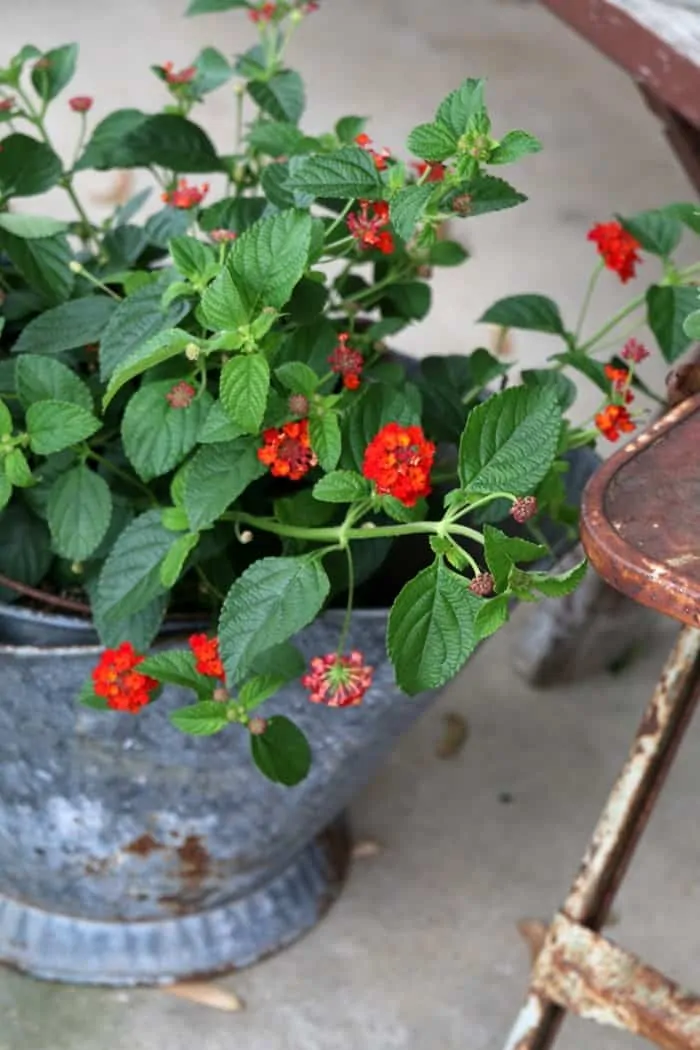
<point x="431" y="629"/>
<point x="282" y="96"/>
<point x="491" y="615"/>
<point x="341" y="486"/>
<point x="79" y="513"/>
<point x="17" y="470"/>
<point x="87" y="697"/>
<point x="275" y="138"/>
<point x="510" y="442"/>
<point x="156" y="436"/>
<point x="223" y="307"/>
<point x="378" y="406"/>
<point x="60" y="67"/>
<point x="43" y="262"/>
<point x="139" y="628"/>
<point x="6" y="424"/>
<point x="25" y="547"/>
<point x="126" y="212"/>
<point x="172" y="142"/>
<point x="258" y="689"/>
<point x="285" y="658"/>
<point x="411" y="299"/>
<point x="584" y="364"/>
<point x="324" y="433"/>
<point x="244" y="386"/>
<point x="202" y="719"/>
<point x="216" y="476"/>
<point x="298" y="377"/>
<point x="513" y="146"/>
<point x="176" y="667"/>
<point x="668" y="307"/>
<point x="346" y="173"/>
<point x="269" y="259"/>
<point x="407" y="208"/>
<point x="166" y="224"/>
<point x="432" y="142"/>
<point x="348" y="128"/>
<point x="447" y="253"/>
<point x="561" y="386"/>
<point x="503" y="552"/>
<point x="657" y="231"/>
<point x="689" y="214"/>
<point x="217" y="427"/>
<point x="159" y="348"/>
<point x="213" y="70"/>
<point x="282" y="752"/>
<point x="108" y="147"/>
<point x="552" y="586"/>
<point x="272" y="600"/>
<point x="534" y="313"/>
<point x="45" y="379"/>
<point x="130" y="577"/>
<point x="691" y="325"/>
<point x="66" y="327"/>
<point x="55" y="425"/>
<point x="174" y="561"/>
<point x="485" y="194"/>
<point x="135" y="320"/>
<point x="31" y="226"/>
<point x="205" y="7"/>
<point x="175" y="519"/>
<point x="27" y="167"/>
<point x="232" y="213"/>
<point x="194" y="260"/>
<point x="460" y="107"/>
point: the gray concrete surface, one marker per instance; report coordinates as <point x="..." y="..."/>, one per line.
<point x="422" y="952"/>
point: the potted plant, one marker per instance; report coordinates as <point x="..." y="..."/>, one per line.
<point x="229" y="511"/>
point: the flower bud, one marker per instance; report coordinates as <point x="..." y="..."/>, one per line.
<point x="523" y="509"/>
<point x="246" y="536"/>
<point x="299" y="404"/>
<point x="220" y="695"/>
<point x="192" y="352"/>
<point x="257" y="726"/>
<point x="482" y="585"/>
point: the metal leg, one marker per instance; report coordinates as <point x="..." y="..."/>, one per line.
<point x="619" y="829"/>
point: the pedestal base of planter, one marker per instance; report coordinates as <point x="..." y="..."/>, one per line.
<point x="80" y="951"/>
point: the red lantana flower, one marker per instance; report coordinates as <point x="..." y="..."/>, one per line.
<point x="183" y="76"/>
<point x="263" y="14"/>
<point x="81" y="103"/>
<point x="620" y="377"/>
<point x="613" y="421"/>
<point x="399" y="460"/>
<point x="206" y="653"/>
<point x="380" y="157"/>
<point x="617" y="248"/>
<point x="181" y="395"/>
<point x="222" y="236"/>
<point x="338" y="681"/>
<point x="287" y="450"/>
<point x="347" y="362"/>
<point x="367" y="229"/>
<point x="437" y="170"/>
<point x="634" y="351"/>
<point x="524" y="508"/>
<point x="185" y="196"/>
<point x="116" y="680"/>
<point x="6" y="104"/>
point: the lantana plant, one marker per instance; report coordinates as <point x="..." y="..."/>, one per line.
<point x="200" y="416"/>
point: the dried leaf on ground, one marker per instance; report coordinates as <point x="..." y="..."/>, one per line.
<point x="206" y="994"/>
<point x="366" y="848"/>
<point x="455" y="736"/>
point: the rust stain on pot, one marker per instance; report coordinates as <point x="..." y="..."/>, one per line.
<point x="144" y="845"/>
<point x="195" y="861"/>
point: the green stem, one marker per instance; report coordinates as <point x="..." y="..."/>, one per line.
<point x="365" y="293"/>
<point x="337" y="223"/>
<point x="78" y="268"/>
<point x="119" y="473"/>
<point x="238" y="132"/>
<point x="587" y="298"/>
<point x="348" y="608"/>
<point x="341" y="533"/>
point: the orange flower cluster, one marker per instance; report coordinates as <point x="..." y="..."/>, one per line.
<point x="287" y="450"/>
<point x="614" y="420"/>
<point x="620" y="377"/>
<point x="399" y="460"/>
<point x="265" y="13"/>
<point x="367" y="229"/>
<point x="436" y="169"/>
<point x="617" y="247"/>
<point x="338" y="681"/>
<point x="206" y="653"/>
<point x="184" y="76"/>
<point x="116" y="679"/>
<point x="185" y="196"/>
<point x="380" y="158"/>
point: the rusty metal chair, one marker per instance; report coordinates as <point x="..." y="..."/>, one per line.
<point x="641" y="531"/>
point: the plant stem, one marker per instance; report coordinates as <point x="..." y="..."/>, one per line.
<point x="593" y="280"/>
<point x="348" y="608"/>
<point x="341" y="534"/>
<point x="119" y="473"/>
<point x="337" y="223"/>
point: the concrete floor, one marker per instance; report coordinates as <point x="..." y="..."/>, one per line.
<point x="422" y="951"/>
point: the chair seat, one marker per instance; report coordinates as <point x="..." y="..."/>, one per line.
<point x="640" y="516"/>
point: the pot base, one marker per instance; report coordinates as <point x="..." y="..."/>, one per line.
<point x="122" y="954"/>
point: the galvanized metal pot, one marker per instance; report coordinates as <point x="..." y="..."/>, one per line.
<point x="130" y="853"/>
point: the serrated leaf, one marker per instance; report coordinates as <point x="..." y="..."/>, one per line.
<point x="285" y="658"/>
<point x="17" y="470"/>
<point x="166" y="224"/>
<point x="298" y="377"/>
<point x="282" y="96"/>
<point x="347" y="173"/>
<point x="668" y="307"/>
<point x="552" y="586"/>
<point x="45" y="379"/>
<point x="282" y="752"/>
<point x="481" y="195"/>
<point x="159" y="348"/>
<point x="65" y="327"/>
<point x="216" y="476"/>
<point x="431" y="629"/>
<point x="55" y="425"/>
<point x="258" y="689"/>
<point x="218" y="427"/>
<point x="410" y="299"/>
<point x="213" y="70"/>
<point x="689" y="214"/>
<point x="79" y="513"/>
<point x="43" y="262"/>
<point x="491" y="615"/>
<point x="561" y="386"/>
<point x="174" y="561"/>
<point x="324" y="434"/>
<point x="175" y="519"/>
<point x="272" y="600"/>
<point x="172" y="142"/>
<point x="5" y="491"/>
<point x="130" y="577"/>
<point x="348" y="128"/>
<point x="513" y="146"/>
<point x="27" y="166"/>
<point x="691" y="325"/>
<point x="269" y="259"/>
<point x="503" y="552"/>
<point x="341" y="486"/>
<point x="510" y="442"/>
<point x="587" y="366"/>
<point x="6" y="423"/>
<point x="432" y="142"/>
<point x="31" y="226"/>
<point x="202" y="719"/>
<point x="139" y="628"/>
<point x="156" y="436"/>
<point x="658" y="231"/>
<point x="176" y="667"/>
<point x="192" y="258"/>
<point x="275" y="138"/>
<point x="243" y="389"/>
<point x="407" y="208"/>
<point x="461" y="106"/>
<point x="107" y="147"/>
<point x="534" y="313"/>
<point x="223" y="305"/>
<point x="54" y="71"/>
<point x="135" y="320"/>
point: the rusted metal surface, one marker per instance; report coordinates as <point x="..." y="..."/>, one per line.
<point x="640" y="516"/>
<point x="682" y="136"/>
<point x="587" y="974"/>
<point x="620" y="826"/>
